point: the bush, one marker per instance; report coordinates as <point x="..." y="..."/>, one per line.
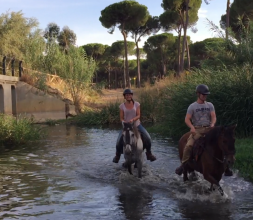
<point x="108" y="115"/>
<point x="17" y="131"/>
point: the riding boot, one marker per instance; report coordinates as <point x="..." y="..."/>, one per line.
<point x="179" y="171"/>
<point x="116" y="158"/>
<point x="228" y="172"/>
<point x="150" y="156"/>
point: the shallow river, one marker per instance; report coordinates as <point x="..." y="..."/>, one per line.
<point x="70" y="175"/>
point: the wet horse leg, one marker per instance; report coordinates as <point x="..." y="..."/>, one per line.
<point x="212" y="180"/>
<point x="185" y="177"/>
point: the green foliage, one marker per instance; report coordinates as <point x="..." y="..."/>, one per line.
<point x="210" y="50"/>
<point x="108" y="115"/>
<point x="244" y="157"/>
<point x="33" y="49"/>
<point x="96" y="51"/>
<point x="51" y="32"/>
<point x="14" y="29"/>
<point x="117" y="48"/>
<point x="77" y="70"/>
<point x="241" y="13"/>
<point x="171" y="18"/>
<point x="152" y="102"/>
<point x="231" y="94"/>
<point x="18" y="131"/>
<point x="124" y="13"/>
<point x="66" y="38"/>
<point x="161" y="49"/>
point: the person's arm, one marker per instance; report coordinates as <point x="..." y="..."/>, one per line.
<point x="213" y="119"/>
<point x="138" y="115"/>
<point x="121" y="113"/>
<point x="189" y="123"/>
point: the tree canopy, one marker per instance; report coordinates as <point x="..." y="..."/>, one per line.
<point x="14" y="29"/>
<point x="124" y="15"/>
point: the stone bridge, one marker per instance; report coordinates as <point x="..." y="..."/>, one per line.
<point x="21" y="99"/>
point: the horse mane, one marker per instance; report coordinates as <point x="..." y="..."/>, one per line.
<point x="136" y="132"/>
<point x="212" y="136"/>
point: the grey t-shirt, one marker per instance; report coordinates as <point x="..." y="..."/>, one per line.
<point x="130" y="113"/>
<point x="201" y="113"/>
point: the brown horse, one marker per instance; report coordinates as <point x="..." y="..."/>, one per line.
<point x="218" y="152"/>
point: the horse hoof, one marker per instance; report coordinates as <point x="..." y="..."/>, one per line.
<point x="186" y="179"/>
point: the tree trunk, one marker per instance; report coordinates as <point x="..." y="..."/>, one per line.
<point x="116" y="79"/>
<point x="124" y="72"/>
<point x="188" y="55"/>
<point x="178" y="52"/>
<point x="126" y="60"/>
<point x="138" y="65"/>
<point x="185" y="25"/>
<point x="109" y="76"/>
<point x="227" y="18"/>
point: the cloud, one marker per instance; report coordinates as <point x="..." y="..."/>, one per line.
<point x="202" y="13"/>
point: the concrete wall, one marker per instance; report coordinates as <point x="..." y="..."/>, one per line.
<point x="7" y="93"/>
<point x="34" y="103"/>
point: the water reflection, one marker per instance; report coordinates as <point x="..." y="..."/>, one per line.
<point x="135" y="202"/>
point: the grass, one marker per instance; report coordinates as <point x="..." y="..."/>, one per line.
<point x="244" y="157"/>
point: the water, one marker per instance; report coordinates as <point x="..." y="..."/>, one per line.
<point x="70" y="175"/>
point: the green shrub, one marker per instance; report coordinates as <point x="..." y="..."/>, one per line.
<point x="231" y="94"/>
<point x="108" y="115"/>
<point x="244" y="157"/>
<point x="15" y="131"/>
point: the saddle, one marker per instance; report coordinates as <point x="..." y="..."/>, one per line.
<point x="198" y="148"/>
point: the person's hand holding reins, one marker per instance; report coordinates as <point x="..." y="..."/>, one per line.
<point x="193" y="130"/>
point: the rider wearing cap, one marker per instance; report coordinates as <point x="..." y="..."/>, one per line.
<point x="130" y="112"/>
<point x="200" y="118"/>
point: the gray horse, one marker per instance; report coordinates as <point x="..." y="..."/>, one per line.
<point x="132" y="148"/>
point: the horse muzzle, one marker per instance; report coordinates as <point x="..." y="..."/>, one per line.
<point x="128" y="149"/>
<point x="230" y="159"/>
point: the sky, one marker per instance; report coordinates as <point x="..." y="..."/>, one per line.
<point x="82" y="16"/>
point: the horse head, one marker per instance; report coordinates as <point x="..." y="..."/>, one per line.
<point x="128" y="137"/>
<point x="227" y="143"/>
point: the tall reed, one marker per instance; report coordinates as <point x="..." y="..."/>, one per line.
<point x="231" y="94"/>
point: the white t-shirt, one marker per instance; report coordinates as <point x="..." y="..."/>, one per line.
<point x="130" y="113"/>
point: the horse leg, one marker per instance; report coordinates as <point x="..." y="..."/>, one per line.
<point x="185" y="175"/>
<point x="139" y="166"/>
<point x="211" y="188"/>
<point x="212" y="180"/>
<point x="129" y="167"/>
